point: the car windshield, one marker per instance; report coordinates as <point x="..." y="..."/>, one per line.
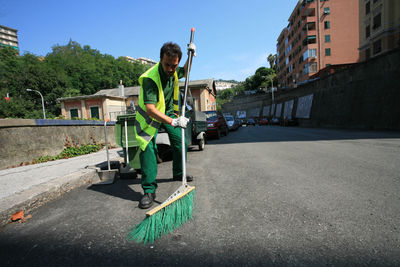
<point x="211" y="115"/>
<point x="229" y="118"/>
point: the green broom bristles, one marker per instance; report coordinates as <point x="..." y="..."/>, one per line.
<point x="164" y="221"/>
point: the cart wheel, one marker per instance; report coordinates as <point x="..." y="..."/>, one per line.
<point x="201" y="144"/>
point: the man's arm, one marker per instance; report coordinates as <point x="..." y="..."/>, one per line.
<point x="156" y="114"/>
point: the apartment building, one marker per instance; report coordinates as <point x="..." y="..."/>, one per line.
<point x="8" y="37"/>
<point x="222" y="85"/>
<point x="379" y="27"/>
<point x="141" y="60"/>
<point x="320" y="33"/>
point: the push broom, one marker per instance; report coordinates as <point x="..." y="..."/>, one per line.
<point x="178" y="208"/>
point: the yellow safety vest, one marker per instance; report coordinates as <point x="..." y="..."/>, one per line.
<point x="145" y="126"/>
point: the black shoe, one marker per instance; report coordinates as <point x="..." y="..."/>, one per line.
<point x="147" y="200"/>
<point x="189" y="178"/>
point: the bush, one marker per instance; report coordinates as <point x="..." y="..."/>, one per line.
<point x="71" y="151"/>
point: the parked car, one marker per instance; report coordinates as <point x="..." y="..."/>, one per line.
<point x="216" y="124"/>
<point x="263" y="121"/>
<point x="231" y="122"/>
<point x="274" y="121"/>
<point x="289" y="121"/>
<point x="242" y="122"/>
<point x="250" y="121"/>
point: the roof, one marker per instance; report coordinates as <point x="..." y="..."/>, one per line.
<point x="208" y="82"/>
<point x="129" y="91"/>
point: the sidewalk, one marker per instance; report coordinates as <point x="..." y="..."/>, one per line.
<point x="28" y="187"/>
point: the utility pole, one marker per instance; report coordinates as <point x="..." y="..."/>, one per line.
<point x="44" y="112"/>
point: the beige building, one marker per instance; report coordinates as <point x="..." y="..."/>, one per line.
<point x="105" y="104"/>
<point x="379" y="27"/>
<point x="320" y="33"/>
<point x="204" y="94"/>
<point x="108" y="103"/>
<point x="9" y="37"/>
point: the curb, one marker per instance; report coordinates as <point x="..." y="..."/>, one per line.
<point x="36" y="196"/>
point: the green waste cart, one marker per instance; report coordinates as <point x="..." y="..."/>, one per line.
<point x="128" y="141"/>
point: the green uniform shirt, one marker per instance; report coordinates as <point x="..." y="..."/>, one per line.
<point x="150" y="89"/>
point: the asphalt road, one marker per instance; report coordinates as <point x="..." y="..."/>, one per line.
<point x="265" y="196"/>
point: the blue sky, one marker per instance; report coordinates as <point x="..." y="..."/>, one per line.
<point x="233" y="38"/>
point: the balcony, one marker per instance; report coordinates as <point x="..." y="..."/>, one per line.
<point x="308" y="12"/>
<point x="309" y="26"/>
<point x="310" y="39"/>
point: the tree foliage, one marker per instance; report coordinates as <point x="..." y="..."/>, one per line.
<point x="262" y="78"/>
<point x="69" y="70"/>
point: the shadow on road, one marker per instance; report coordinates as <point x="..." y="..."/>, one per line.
<point x="121" y="188"/>
<point x="58" y="251"/>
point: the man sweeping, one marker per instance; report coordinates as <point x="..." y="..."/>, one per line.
<point x="159" y="107"/>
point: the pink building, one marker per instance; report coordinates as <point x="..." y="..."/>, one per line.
<point x="320" y="33"/>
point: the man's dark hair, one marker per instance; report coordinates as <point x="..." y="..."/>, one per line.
<point x="171" y="49"/>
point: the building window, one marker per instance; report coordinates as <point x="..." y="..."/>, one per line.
<point x="94" y="112"/>
<point x="377" y="21"/>
<point x="311" y="39"/>
<point x="327" y="51"/>
<point x="313" y="67"/>
<point x="326" y="11"/>
<point x="377" y="47"/>
<point x="327" y="38"/>
<point x="367" y="54"/>
<point x="327" y="65"/>
<point x="367" y="31"/>
<point x="310" y="67"/>
<point x="327" y="24"/>
<point x="74" y="113"/>
<point x="367" y="8"/>
<point x="310" y="26"/>
<point x="310" y="53"/>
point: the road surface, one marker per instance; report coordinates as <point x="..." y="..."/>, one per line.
<point x="265" y="195"/>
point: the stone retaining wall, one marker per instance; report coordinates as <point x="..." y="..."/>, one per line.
<point x="23" y="140"/>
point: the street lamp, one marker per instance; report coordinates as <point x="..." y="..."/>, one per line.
<point x="272" y="89"/>
<point x="44" y="113"/>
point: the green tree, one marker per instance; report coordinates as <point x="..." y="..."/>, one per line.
<point x="272" y="61"/>
<point x="69" y="70"/>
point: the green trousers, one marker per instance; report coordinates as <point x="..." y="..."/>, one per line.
<point x="148" y="159"/>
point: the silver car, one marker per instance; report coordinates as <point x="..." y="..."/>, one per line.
<point x="231" y="122"/>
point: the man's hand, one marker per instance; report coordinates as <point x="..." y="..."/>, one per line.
<point x="192" y="47"/>
<point x="181" y="122"/>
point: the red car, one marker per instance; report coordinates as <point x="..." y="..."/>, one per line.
<point x="216" y="124"/>
<point x="263" y="121"/>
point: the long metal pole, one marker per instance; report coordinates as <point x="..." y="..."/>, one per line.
<point x="183" y="111"/>
<point x="44" y="113"/>
<point x="41" y="96"/>
<point x="272" y="93"/>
